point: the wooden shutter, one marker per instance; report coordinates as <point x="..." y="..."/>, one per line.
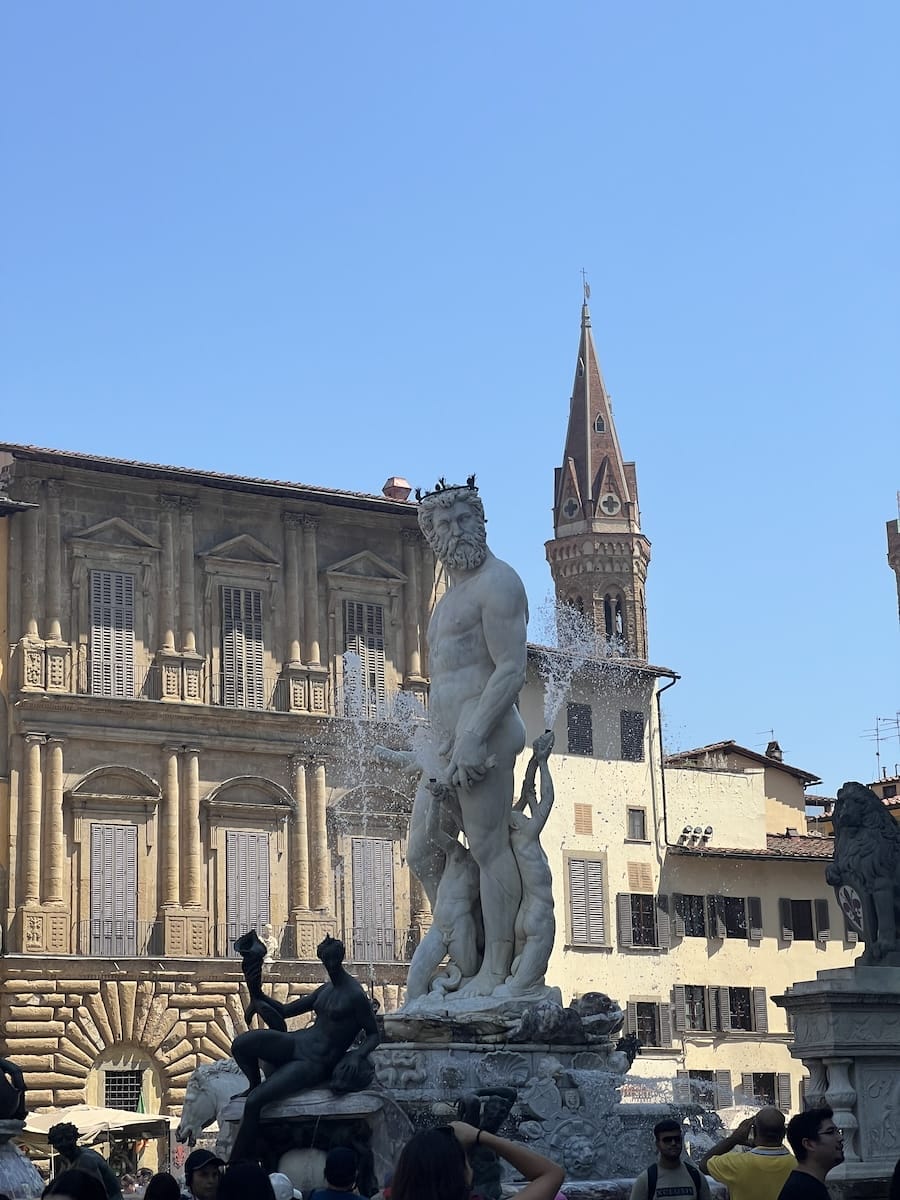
<point x="247" y="881"/>
<point x="678" y="926"/>
<point x="823" y="920"/>
<point x="663" y="923"/>
<point x="754" y="918"/>
<point x="715" y="908"/>
<point x="747" y="1088"/>
<point x="631" y="1017"/>
<point x="623" y="919"/>
<point x="787" y="920"/>
<point x="631" y="730"/>
<point x="724" y="1094"/>
<point x="584" y="819"/>
<point x="113" y="889"/>
<point x="681" y="1088"/>
<point x="364" y="636"/>
<point x="783" y="1091"/>
<point x="372" y="861"/>
<point x="112" y="633"/>
<point x="664" y="1019"/>
<point x="243" y="679"/>
<point x="680" y="1013"/>
<point x="724" y="1015"/>
<point x="760" y="1011"/>
<point x="586" y="906"/>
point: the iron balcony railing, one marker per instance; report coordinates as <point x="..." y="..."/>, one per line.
<point x="116" y="937"/>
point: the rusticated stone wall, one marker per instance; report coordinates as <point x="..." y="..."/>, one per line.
<point x="58" y="1024"/>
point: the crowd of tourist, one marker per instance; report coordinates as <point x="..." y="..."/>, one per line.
<point x="752" y="1162"/>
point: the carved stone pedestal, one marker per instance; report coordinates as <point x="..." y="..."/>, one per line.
<point x="43" y="930"/>
<point x="846" y="1026"/>
<point x="185" y="934"/>
<point x="309" y="931"/>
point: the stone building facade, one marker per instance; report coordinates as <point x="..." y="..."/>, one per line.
<point x="194" y="669"/>
<point x="181" y="753"/>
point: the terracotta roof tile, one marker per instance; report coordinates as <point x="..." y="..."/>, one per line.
<point x="795" y="846"/>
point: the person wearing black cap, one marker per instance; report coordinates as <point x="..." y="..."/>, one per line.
<point x="202" y="1175"/>
<point x="341" y="1166"/>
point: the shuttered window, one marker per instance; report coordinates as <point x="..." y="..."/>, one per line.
<point x="246" y="882"/>
<point x="243" y="682"/>
<point x="373" y="900"/>
<point x="643" y="921"/>
<point x="580" y="729"/>
<point x="712" y="1089"/>
<point x="650" y="1021"/>
<point x="586" y="903"/>
<point x="365" y="695"/>
<point x="766" y="1087"/>
<point x="632" y="735"/>
<point x="113" y="929"/>
<point x="112" y="633"/>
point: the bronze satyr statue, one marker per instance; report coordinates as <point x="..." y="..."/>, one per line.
<point x="319" y="1055"/>
<point x="867" y="859"/>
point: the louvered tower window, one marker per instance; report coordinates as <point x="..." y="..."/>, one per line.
<point x="373" y="899"/>
<point x="588" y="918"/>
<point x="247" y="882"/>
<point x="243" y="683"/>
<point x="364" y="635"/>
<point x="113" y="930"/>
<point x="112" y="633"/>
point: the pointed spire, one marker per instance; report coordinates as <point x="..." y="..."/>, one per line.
<point x="596" y="494"/>
<point x="593" y="484"/>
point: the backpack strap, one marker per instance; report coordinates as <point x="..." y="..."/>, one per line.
<point x="695" y="1176"/>
<point x="652" y="1175"/>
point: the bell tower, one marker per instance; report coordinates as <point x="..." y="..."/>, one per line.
<point x="598" y="555"/>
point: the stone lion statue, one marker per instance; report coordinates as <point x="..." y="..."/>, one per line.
<point x="867" y="859"/>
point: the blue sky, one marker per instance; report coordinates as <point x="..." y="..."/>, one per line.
<point x="331" y="243"/>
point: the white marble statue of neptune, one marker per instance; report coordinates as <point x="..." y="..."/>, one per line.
<point x="477" y="660"/>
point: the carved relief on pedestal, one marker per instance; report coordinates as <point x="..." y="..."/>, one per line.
<point x="32" y="665"/>
<point x="309" y="934"/>
<point x="58" y="669"/>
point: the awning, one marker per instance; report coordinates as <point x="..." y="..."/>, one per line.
<point x="95" y="1124"/>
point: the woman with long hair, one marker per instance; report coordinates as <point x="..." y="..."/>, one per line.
<point x="433" y="1165"/>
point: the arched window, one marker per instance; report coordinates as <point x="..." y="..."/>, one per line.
<point x="599" y="424"/>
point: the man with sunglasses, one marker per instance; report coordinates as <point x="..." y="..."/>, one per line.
<point x="818" y="1146"/>
<point x="670" y="1175"/>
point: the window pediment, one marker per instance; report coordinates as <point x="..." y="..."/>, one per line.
<point x="115" y="788"/>
<point x="244" y="548"/>
<point x="364" y="566"/>
<point x="249" y="798"/>
<point x="114" y="533"/>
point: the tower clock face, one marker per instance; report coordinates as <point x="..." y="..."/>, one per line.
<point x="610" y="503"/>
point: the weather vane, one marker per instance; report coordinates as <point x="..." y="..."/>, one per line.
<point x="585" y="285"/>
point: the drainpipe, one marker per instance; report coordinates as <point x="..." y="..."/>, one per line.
<point x="662" y="757"/>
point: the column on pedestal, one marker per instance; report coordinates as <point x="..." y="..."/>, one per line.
<point x="319" y="857"/>
<point x="292" y="593"/>
<point x="168" y="506"/>
<point x="53" y="572"/>
<point x="31" y="822"/>
<point x="412" y="612"/>
<point x="299" y="883"/>
<point x="192" y="891"/>
<point x="31" y="577"/>
<point x="54" y="846"/>
<point x="171" y="861"/>
<point x="188" y="638"/>
<point x="311" y="591"/>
